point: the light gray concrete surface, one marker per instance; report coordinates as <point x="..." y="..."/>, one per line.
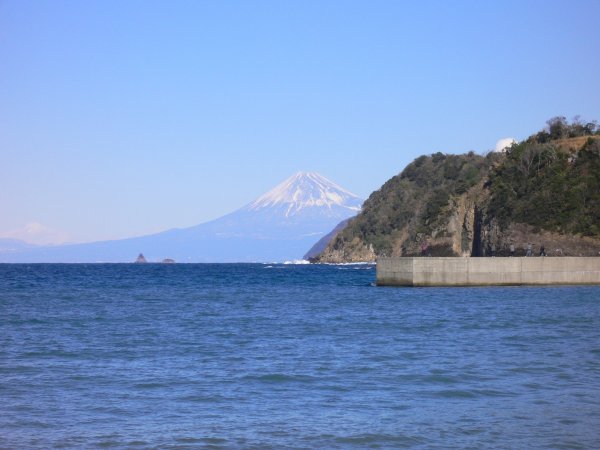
<point x="433" y="271"/>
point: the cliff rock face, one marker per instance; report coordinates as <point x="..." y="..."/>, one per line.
<point x="520" y="235"/>
<point x="542" y="192"/>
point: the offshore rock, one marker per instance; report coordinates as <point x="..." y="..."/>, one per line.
<point x="141" y="259"/>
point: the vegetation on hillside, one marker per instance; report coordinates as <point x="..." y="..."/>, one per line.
<point x="559" y="128"/>
<point x="415" y="201"/>
<point x="544" y="183"/>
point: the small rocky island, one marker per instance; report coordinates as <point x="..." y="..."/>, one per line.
<point x="141" y="259"/>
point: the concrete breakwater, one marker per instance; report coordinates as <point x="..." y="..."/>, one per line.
<point x="452" y="271"/>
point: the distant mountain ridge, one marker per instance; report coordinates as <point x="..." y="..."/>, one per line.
<point x="10" y="245"/>
<point x="279" y="225"/>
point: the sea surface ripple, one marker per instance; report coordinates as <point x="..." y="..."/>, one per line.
<point x="290" y="356"/>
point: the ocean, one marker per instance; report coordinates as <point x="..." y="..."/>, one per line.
<point x="290" y="356"/>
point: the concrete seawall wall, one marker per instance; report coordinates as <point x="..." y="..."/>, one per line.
<point x="433" y="271"/>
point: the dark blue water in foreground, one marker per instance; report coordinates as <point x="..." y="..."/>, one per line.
<point x="256" y="356"/>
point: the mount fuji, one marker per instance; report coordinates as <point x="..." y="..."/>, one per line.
<point x="278" y="226"/>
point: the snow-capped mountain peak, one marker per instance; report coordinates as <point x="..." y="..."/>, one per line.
<point x="306" y="190"/>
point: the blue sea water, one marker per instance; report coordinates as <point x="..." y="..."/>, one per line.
<point x="290" y="356"/>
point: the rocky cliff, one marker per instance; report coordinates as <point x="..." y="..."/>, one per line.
<point x="542" y="192"/>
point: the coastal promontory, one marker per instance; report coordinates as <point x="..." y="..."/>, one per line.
<point x="541" y="195"/>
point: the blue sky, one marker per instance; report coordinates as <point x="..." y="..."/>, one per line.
<point x="122" y="118"/>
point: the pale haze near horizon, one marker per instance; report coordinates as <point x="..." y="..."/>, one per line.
<point x="120" y="119"/>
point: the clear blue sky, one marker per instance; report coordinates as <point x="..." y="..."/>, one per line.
<point x="122" y="118"/>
